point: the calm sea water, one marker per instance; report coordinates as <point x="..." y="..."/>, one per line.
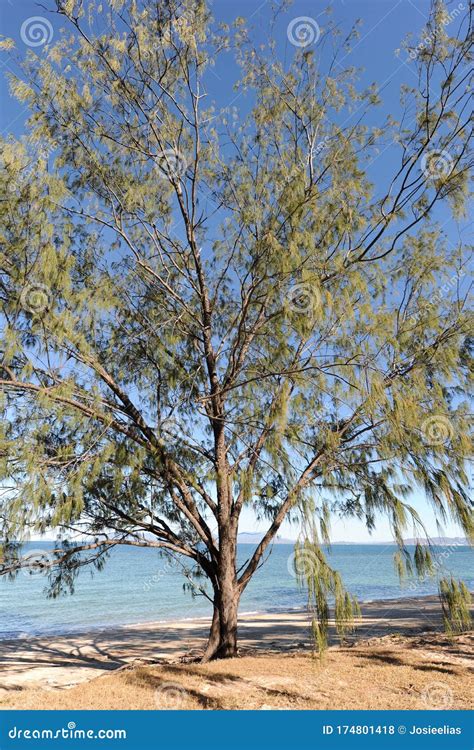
<point x="138" y="586"/>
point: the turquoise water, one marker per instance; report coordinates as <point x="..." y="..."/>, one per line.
<point x="138" y="586"/>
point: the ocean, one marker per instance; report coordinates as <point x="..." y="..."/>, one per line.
<point x="139" y="586"/>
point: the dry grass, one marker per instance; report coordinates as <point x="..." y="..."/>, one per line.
<point x="392" y="672"/>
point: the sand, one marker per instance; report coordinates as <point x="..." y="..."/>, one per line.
<point x="389" y="672"/>
<point x="58" y="662"/>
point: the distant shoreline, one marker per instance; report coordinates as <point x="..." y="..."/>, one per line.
<point x="436" y="542"/>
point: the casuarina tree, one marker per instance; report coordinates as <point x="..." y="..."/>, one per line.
<point x="208" y="309"/>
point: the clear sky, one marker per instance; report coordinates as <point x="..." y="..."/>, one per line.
<point x="385" y="23"/>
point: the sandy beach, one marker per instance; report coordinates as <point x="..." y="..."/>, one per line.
<point x="36" y="670"/>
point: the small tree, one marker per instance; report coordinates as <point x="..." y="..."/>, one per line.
<point x="206" y="310"/>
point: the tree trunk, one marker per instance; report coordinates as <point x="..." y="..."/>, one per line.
<point x="228" y="609"/>
<point x="222" y="641"/>
<point x="214" y="637"/>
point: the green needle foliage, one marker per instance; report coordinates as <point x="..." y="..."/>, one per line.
<point x="456" y="602"/>
<point x="322" y="584"/>
<point x="205" y="310"/>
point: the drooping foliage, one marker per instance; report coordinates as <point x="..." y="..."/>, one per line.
<point x="456" y="601"/>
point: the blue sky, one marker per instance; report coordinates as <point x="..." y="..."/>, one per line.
<point x="385" y="23"/>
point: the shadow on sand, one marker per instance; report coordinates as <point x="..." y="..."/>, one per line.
<point x="62" y="661"/>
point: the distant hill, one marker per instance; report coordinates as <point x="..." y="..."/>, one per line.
<point x="248" y="538"/>
<point x="441" y="541"/>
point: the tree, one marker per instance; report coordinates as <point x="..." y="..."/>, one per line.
<point x="206" y="310"/>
